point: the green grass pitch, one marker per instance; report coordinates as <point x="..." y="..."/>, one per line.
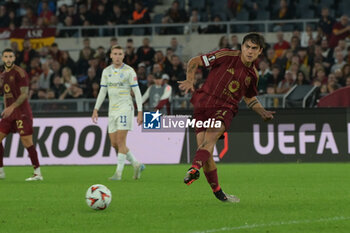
<point x="275" y="198"/>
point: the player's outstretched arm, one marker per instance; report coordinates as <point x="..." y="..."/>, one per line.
<point x="100" y="98"/>
<point x="254" y="104"/>
<point x="188" y="84"/>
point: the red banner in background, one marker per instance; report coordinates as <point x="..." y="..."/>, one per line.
<point x="38" y="37"/>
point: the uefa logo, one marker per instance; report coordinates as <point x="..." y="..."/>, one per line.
<point x="152" y="120"/>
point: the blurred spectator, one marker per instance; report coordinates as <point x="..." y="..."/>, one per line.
<point x="320" y="78"/>
<point x="62" y="13"/>
<point x="94" y="92"/>
<point x="4" y="18"/>
<point x="99" y="18"/>
<point x="215" y="28"/>
<point x="130" y="54"/>
<point x="14" y="47"/>
<point x="73" y="92"/>
<point x="13" y="19"/>
<point x="82" y="15"/>
<point x="45" y="12"/>
<point x="56" y="68"/>
<point x="175" y="72"/>
<point x="176" y="47"/>
<point x="340" y="31"/>
<point x="332" y="84"/>
<point x="284" y="85"/>
<point x="33" y="90"/>
<point x="282" y="13"/>
<point x="56" y="53"/>
<point x="145" y="53"/>
<point x="158" y="96"/>
<point x="192" y="26"/>
<point x="117" y="17"/>
<point x="34" y="70"/>
<point x="68" y="78"/>
<point x="347" y="82"/>
<point x="87" y="83"/>
<point x="142" y="77"/>
<point x="25" y="22"/>
<point x="26" y="54"/>
<point x="223" y="43"/>
<point x="326" y="22"/>
<point x="159" y="58"/>
<point x="175" y="14"/>
<point x="31" y="16"/>
<point x="281" y="46"/>
<point x="83" y="62"/>
<point x="339" y="62"/>
<point x="342" y="47"/>
<point x="68" y="61"/>
<point x="307" y="35"/>
<point x="86" y="44"/>
<point x="275" y="77"/>
<point x="264" y="76"/>
<point x="57" y="86"/>
<point x="271" y="55"/>
<point x="295" y="44"/>
<point x="68" y="22"/>
<point x="235" y="43"/>
<point x="45" y="76"/>
<point x="347" y="57"/>
<point x="301" y="79"/>
<point x="157" y="70"/>
<point x="140" y="15"/>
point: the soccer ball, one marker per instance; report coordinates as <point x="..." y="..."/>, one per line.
<point x="98" y="197"/>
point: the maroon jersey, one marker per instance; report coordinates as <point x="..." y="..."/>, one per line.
<point x="13" y="80"/>
<point x="227" y="82"/>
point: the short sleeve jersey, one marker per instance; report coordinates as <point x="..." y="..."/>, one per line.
<point x="13" y="80"/>
<point x="119" y="82"/>
<point x="228" y="80"/>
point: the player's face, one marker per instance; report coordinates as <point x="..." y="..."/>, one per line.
<point x="117" y="56"/>
<point x="8" y="59"/>
<point x="250" y="51"/>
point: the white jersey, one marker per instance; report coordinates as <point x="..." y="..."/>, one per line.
<point x="119" y="83"/>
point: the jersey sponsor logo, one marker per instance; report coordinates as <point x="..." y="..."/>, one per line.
<point x="152" y="120"/>
<point x="233" y="86"/>
<point x="231" y="71"/>
<point x="247" y="81"/>
<point x="7" y="88"/>
<point x="12" y="78"/>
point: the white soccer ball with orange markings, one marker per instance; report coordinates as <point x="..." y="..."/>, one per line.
<point x="98" y="197"/>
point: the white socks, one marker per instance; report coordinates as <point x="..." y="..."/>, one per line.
<point x="121" y="162"/>
<point x="37" y="171"/>
<point x="131" y="158"/>
<point x="1" y="170"/>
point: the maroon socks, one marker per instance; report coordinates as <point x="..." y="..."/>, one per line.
<point x="200" y="158"/>
<point x="212" y="178"/>
<point x="33" y="155"/>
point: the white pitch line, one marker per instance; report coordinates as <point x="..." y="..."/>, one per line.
<point x="292" y="222"/>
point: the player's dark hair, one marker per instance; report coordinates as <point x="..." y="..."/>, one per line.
<point x="8" y="50"/>
<point x="255" y="38"/>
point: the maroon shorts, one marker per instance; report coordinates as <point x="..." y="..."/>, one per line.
<point x="23" y="125"/>
<point x="222" y="114"/>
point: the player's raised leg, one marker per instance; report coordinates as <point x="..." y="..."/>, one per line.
<point x="27" y="142"/>
<point x="208" y="140"/>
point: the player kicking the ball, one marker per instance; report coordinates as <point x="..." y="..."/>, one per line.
<point x="232" y="76"/>
<point x="17" y="115"/>
<point x="118" y="79"/>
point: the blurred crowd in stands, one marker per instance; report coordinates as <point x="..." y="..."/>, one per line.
<point x="317" y="57"/>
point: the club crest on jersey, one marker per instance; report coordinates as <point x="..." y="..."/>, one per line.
<point x="233" y="86"/>
<point x="231" y="71"/>
<point x="211" y="58"/>
<point x="247" y="81"/>
<point x="7" y="88"/>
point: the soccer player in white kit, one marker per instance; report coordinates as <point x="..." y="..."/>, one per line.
<point x="118" y="80"/>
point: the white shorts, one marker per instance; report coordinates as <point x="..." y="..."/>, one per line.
<point x="120" y="120"/>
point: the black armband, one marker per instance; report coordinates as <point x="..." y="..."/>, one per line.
<point x="251" y="104"/>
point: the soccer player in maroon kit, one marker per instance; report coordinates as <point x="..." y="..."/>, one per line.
<point x="231" y="78"/>
<point x="17" y="115"/>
